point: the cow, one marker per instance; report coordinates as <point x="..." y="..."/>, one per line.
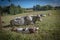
<point x="25" y="20"/>
<point x="17" y="21"/>
<point x="26" y="30"/>
<point x="31" y="19"/>
<point x="42" y="15"/>
<point x="28" y="20"/>
<point x="31" y="29"/>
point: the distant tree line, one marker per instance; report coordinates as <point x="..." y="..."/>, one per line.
<point x="46" y="7"/>
<point x="13" y="9"/>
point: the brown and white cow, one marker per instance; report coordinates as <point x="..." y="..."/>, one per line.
<point x="26" y="30"/>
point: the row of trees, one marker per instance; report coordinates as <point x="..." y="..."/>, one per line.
<point x="46" y="7"/>
<point x="15" y="9"/>
<point x="12" y="9"/>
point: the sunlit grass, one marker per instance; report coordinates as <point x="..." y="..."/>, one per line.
<point x="46" y="27"/>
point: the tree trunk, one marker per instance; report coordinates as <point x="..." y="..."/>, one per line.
<point x="0" y="21"/>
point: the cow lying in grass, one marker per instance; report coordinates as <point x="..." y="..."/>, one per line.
<point x="17" y="21"/>
<point x="36" y="18"/>
<point x="25" y="20"/>
<point x="32" y="19"/>
<point x="42" y="15"/>
<point x="26" y="30"/>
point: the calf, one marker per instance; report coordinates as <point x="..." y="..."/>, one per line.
<point x="42" y="15"/>
<point x="26" y="30"/>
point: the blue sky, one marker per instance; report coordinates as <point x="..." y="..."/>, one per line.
<point x="31" y="3"/>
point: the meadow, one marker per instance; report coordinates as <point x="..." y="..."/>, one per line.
<point x="48" y="29"/>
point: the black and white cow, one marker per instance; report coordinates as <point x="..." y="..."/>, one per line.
<point x="25" y="20"/>
<point x="17" y="21"/>
<point x="32" y="19"/>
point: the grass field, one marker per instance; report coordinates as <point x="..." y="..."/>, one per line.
<point x="48" y="29"/>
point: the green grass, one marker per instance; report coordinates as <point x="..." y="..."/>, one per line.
<point x="48" y="28"/>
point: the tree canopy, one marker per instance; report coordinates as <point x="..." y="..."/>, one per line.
<point x="46" y="7"/>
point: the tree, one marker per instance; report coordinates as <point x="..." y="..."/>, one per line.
<point x="15" y="9"/>
<point x="37" y="7"/>
<point x="34" y="8"/>
<point x="12" y="9"/>
<point x="57" y="7"/>
<point x="43" y="8"/>
<point x="48" y="7"/>
<point x="8" y="0"/>
<point x="19" y="9"/>
<point x="19" y="6"/>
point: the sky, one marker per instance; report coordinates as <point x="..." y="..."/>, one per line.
<point x="30" y="3"/>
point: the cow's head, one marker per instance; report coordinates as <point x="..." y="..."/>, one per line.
<point x="33" y="30"/>
<point x="39" y="18"/>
